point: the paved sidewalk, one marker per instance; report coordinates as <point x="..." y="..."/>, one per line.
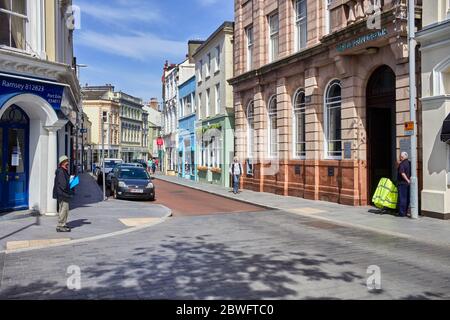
<point x="89" y="216"/>
<point x="423" y="229"/>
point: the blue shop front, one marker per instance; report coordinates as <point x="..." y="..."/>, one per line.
<point x="186" y="148"/>
<point x="33" y="133"/>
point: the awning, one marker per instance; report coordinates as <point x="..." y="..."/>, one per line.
<point x="445" y="133"/>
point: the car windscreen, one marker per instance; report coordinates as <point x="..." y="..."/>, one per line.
<point x="111" y="164"/>
<point x="133" y="173"/>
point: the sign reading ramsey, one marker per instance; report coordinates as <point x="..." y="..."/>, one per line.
<point x="361" y="40"/>
<point x="52" y="93"/>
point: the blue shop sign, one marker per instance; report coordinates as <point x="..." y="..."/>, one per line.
<point x="50" y="92"/>
<point x="361" y="40"/>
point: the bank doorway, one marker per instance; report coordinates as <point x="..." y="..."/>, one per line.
<point x="14" y="131"/>
<point x="381" y="128"/>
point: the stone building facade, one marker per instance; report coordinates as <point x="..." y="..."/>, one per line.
<point x="99" y="101"/>
<point x="40" y="101"/>
<point x="434" y="41"/>
<point x="320" y="95"/>
<point x="215" y="112"/>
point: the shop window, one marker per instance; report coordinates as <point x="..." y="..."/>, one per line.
<point x="299" y="129"/>
<point x="13" y="22"/>
<point x="332" y="119"/>
<point x="272" y="128"/>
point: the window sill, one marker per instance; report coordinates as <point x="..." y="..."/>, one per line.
<point x="15" y="50"/>
<point x="333" y="158"/>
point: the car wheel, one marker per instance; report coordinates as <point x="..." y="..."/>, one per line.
<point x="152" y="198"/>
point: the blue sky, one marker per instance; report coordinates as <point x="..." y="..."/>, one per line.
<point x="126" y="42"/>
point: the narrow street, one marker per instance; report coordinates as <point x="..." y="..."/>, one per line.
<point x="188" y="202"/>
<point x="238" y="252"/>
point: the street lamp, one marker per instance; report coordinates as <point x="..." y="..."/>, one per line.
<point x="412" y="108"/>
<point x="78" y="69"/>
<point x="104" y="119"/>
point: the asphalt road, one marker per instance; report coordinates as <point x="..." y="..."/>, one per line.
<point x="245" y="255"/>
<point x="188" y="202"/>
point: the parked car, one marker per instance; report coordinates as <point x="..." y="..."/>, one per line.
<point x="115" y="170"/>
<point x="132" y="182"/>
<point x="142" y="162"/>
<point x="109" y="166"/>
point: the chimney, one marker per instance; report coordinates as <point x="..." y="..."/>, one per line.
<point x="193" y="45"/>
<point x="154" y="103"/>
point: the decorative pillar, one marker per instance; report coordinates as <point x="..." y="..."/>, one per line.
<point x="284" y="121"/>
<point x="51" y="209"/>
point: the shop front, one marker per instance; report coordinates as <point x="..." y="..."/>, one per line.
<point x="215" y="150"/>
<point x="33" y="118"/>
<point x="186" y="147"/>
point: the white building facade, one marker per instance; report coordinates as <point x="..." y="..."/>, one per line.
<point x="39" y="101"/>
<point x="434" y="41"/>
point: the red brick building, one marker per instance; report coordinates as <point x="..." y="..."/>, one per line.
<point x="321" y="95"/>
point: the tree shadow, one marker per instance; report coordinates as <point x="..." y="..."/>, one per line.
<point x="198" y="269"/>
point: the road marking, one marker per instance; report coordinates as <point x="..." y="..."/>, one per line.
<point x="135" y="222"/>
<point x="16" y="245"/>
<point x="305" y="210"/>
<point x="95" y="238"/>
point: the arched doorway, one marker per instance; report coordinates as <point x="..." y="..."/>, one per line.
<point x="14" y="157"/>
<point x="381" y="127"/>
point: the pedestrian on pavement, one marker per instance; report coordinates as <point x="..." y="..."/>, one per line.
<point x="236" y="172"/>
<point x="61" y="192"/>
<point x="150" y="165"/>
<point x="404" y="182"/>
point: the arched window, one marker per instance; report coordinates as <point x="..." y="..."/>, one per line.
<point x="332" y="119"/>
<point x="299" y="119"/>
<point x="251" y="129"/>
<point x="272" y="127"/>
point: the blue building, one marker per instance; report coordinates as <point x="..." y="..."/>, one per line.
<point x="186" y="129"/>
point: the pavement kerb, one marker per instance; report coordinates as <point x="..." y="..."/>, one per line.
<point x="94" y="238"/>
<point x="337" y="222"/>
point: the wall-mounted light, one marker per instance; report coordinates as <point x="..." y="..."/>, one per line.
<point x="372" y="50"/>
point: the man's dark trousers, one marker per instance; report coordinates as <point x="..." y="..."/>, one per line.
<point x="404" y="198"/>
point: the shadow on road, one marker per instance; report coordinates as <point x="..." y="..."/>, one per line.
<point x="195" y="268"/>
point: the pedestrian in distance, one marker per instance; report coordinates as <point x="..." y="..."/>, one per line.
<point x="236" y="173"/>
<point x="61" y="192"/>
<point x="404" y="183"/>
<point x="150" y="165"/>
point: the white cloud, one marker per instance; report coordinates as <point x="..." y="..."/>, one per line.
<point x="139" y="46"/>
<point x="207" y="2"/>
<point x="120" y="11"/>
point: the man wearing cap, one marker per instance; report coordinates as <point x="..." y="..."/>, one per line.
<point x="61" y="192"/>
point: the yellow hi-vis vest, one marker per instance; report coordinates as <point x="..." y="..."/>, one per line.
<point x="386" y="195"/>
